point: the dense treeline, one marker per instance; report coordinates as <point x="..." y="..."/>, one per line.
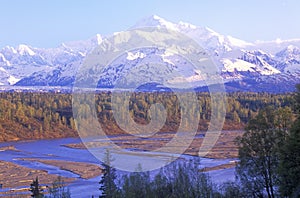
<point x="35" y="116"/>
<point x="269" y="153"/>
<point x="268" y="166"/>
<point x="178" y="179"/>
<point x="49" y="115"/>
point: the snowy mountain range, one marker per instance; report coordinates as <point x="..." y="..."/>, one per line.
<point x="261" y="66"/>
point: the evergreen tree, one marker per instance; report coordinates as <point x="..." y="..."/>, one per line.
<point x="232" y="190"/>
<point x="178" y="179"/>
<point x="58" y="189"/>
<point x="137" y="184"/>
<point x="107" y="184"/>
<point x="36" y="189"/>
<point x="289" y="168"/>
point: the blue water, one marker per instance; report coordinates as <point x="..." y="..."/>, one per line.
<point x="54" y="150"/>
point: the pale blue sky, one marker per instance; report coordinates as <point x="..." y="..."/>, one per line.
<point x="48" y="23"/>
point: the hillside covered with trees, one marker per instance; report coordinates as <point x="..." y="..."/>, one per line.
<point x="33" y="115"/>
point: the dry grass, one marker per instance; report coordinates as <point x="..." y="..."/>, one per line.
<point x="219" y="167"/>
<point x="13" y="175"/>
<point x="84" y="170"/>
<point x="224" y="148"/>
<point x="18" y="178"/>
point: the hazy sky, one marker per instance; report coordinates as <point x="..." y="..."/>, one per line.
<point x="48" y="23"/>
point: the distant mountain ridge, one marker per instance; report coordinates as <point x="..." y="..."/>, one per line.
<point x="262" y="66"/>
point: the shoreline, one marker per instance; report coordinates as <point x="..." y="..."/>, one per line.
<point x="20" y="177"/>
<point x="14" y="176"/>
<point x="223" y="149"/>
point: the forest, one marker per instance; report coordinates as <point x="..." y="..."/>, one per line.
<point x="268" y="166"/>
<point x="34" y="115"/>
<point x="268" y="151"/>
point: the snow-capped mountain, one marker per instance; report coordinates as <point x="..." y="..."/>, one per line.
<point x="206" y="37"/>
<point x="26" y="65"/>
<point x="243" y="65"/>
<point x="289" y="59"/>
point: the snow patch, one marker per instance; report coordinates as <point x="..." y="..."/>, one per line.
<point x="12" y="80"/>
<point x="237" y="42"/>
<point x="3" y="59"/>
<point x="25" y="50"/>
<point x="241" y="65"/>
<point x="99" y="39"/>
<point x="155" y="21"/>
<point x="237" y="65"/>
<point x="278" y="41"/>
<point x="165" y="55"/>
<point x="11" y="49"/>
<point x="133" y="56"/>
<point x="219" y="36"/>
<point x="186" y="25"/>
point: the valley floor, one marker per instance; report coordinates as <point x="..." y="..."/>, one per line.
<point x="21" y="162"/>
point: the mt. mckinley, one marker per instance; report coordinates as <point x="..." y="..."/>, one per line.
<point x="262" y="66"/>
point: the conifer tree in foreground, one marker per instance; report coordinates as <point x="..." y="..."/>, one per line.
<point x="59" y="189"/>
<point x="289" y="167"/>
<point x="259" y="151"/>
<point x="36" y="189"/>
<point x="108" y="187"/>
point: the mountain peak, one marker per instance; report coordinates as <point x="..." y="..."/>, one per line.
<point x="98" y="39"/>
<point x="292" y="48"/>
<point x="156" y="17"/>
<point x="236" y="59"/>
<point x="289" y="51"/>
<point x="9" y="49"/>
<point x="155" y="21"/>
<point x="25" y="50"/>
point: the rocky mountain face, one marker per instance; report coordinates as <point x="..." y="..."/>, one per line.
<point x="264" y="66"/>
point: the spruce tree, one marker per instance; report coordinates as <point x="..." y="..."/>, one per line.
<point x="59" y="189"/>
<point x="108" y="187"/>
<point x="36" y="189"/>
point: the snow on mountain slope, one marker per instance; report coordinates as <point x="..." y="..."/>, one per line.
<point x="262" y="61"/>
<point x="6" y="78"/>
<point x="25" y="50"/>
<point x="289" y="59"/>
<point x="155" y="21"/>
<point x="289" y="54"/>
<point x="3" y="61"/>
<point x="206" y="37"/>
<point x="82" y="46"/>
<point x="238" y="65"/>
<point x="132" y="56"/>
<point x="25" y="62"/>
<point x="238" y="60"/>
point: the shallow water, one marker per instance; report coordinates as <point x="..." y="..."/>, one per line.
<point x="53" y="150"/>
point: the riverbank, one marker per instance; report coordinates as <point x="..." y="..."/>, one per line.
<point x="16" y="178"/>
<point x="83" y="170"/>
<point x="224" y="148"/>
<point x="68" y="158"/>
